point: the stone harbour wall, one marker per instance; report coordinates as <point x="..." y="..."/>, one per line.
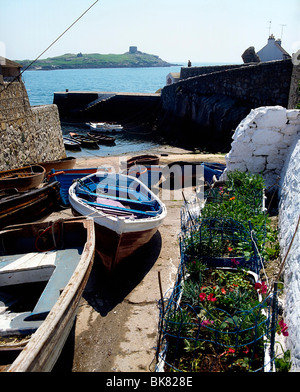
<point x="210" y="106"/>
<point x="28" y="134"/>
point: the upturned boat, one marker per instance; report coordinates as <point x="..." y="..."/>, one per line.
<point x="44" y="268"/>
<point x="126" y="213"/>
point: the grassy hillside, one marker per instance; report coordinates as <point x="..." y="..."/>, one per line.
<point x="95" y="60"/>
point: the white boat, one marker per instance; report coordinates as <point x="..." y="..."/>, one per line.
<point x="126" y="213"/>
<point x="44" y="268"/>
<point x="105" y="127"/>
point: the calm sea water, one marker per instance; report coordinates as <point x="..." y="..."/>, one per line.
<point x="41" y="86"/>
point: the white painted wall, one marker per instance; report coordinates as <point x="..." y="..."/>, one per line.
<point x="289" y="211"/>
<point x="267" y="141"/>
<point x="262" y="140"/>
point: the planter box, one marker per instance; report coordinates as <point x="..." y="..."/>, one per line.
<point x="173" y="341"/>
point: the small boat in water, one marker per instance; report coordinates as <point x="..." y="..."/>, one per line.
<point x="22" y="178"/>
<point x="66" y="178"/>
<point x="85" y="140"/>
<point x="106" y="127"/>
<point x="71" y="144"/>
<point x="44" y="268"/>
<point x="126" y="213"/>
<point x="59" y="164"/>
<point x="100" y="138"/>
<point x="28" y="206"/>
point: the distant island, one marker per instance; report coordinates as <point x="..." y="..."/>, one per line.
<point x="131" y="59"/>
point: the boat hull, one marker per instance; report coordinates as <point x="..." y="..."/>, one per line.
<point x="24" y="178"/>
<point x="45" y="345"/>
<point x="21" y="207"/>
<point x="118" y="236"/>
<point x="60" y="164"/>
<point x="113" y="247"/>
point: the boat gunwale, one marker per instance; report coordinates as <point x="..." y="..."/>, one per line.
<point x="33" y="356"/>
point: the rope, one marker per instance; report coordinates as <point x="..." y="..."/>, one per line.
<point x="16" y="77"/>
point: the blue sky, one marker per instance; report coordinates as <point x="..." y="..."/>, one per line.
<point x="175" y="30"/>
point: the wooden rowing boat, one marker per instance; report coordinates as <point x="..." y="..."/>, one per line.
<point x="71" y="144"/>
<point x="126" y="213"/>
<point x="100" y="138"/>
<point x="28" y="206"/>
<point x="143" y="160"/>
<point x="66" y="178"/>
<point x="59" y="164"/>
<point x="85" y="141"/>
<point x="22" y="178"/>
<point x="44" y="268"/>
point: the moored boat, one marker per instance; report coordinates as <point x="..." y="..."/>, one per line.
<point x="71" y="144"/>
<point x="44" y="268"/>
<point x="85" y="140"/>
<point x="22" y="178"/>
<point x="126" y="213"/>
<point x="106" y="127"/>
<point x="28" y="206"/>
<point x="100" y="138"/>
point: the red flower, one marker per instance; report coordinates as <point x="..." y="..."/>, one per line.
<point x="261" y="287"/>
<point x="211" y="298"/>
<point x="230" y="249"/>
<point x="223" y="291"/>
<point x="202" y="296"/>
<point x="234" y="262"/>
<point x="284" y="328"/>
<point x="246" y="351"/>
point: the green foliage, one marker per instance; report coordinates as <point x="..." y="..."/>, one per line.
<point x="96" y="60"/>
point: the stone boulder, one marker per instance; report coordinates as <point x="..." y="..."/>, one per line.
<point x="250" y="56"/>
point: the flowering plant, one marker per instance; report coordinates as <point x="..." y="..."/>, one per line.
<point x="222" y="320"/>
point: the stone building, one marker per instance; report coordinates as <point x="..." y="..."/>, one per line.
<point x="172" y="77"/>
<point x="273" y="50"/>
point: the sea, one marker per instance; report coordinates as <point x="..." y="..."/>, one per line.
<point x="41" y="86"/>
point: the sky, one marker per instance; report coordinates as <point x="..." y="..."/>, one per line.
<point x="175" y="30"/>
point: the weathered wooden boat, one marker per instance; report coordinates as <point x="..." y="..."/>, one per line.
<point x="100" y="138"/>
<point x="143" y="160"/>
<point x="44" y="268"/>
<point x="22" y="178"/>
<point x="106" y="127"/>
<point x="71" y="144"/>
<point x="85" y="141"/>
<point x="59" y="164"/>
<point x="66" y="178"/>
<point x="28" y="206"/>
<point x="126" y="213"/>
